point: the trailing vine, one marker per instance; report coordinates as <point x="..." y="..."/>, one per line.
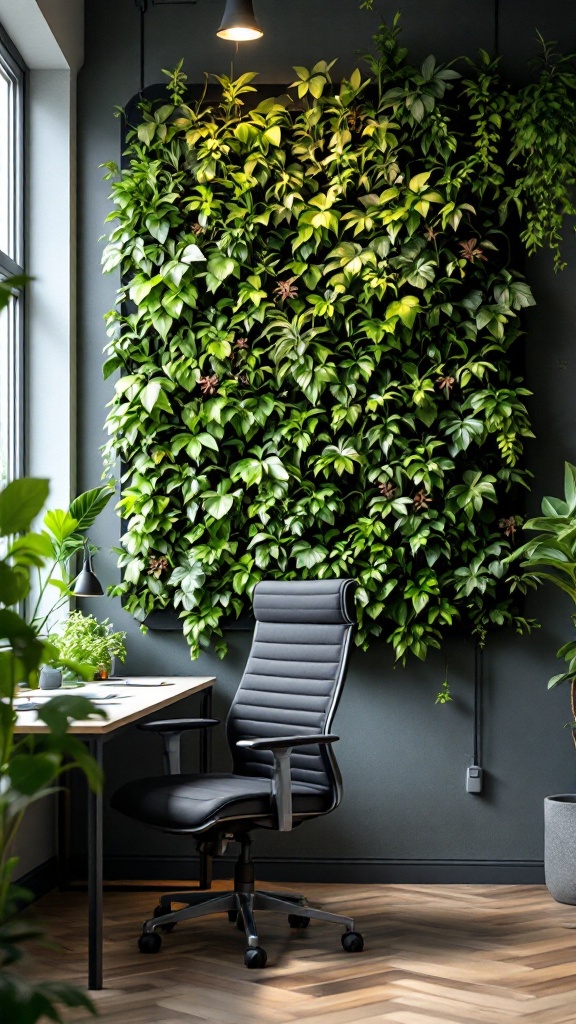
<point x="317" y="337"/>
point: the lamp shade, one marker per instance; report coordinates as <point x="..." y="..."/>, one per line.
<point x="87" y="583"/>
<point x="239" y="23"/>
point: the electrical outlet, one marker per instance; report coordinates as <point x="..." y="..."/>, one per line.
<point x="474" y="779"/>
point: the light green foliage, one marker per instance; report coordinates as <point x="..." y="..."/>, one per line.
<point x="83" y="638"/>
<point x="551" y="556"/>
<point x="316" y="336"/>
<point x="30" y="766"/>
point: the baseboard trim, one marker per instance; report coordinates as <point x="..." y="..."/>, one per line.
<point x="41" y="879"/>
<point x="346" y="870"/>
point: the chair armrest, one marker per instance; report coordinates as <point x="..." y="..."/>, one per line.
<point x="170" y="730"/>
<point x="281" y="748"/>
<point x="286" y="742"/>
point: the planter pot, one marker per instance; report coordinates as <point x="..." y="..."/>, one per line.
<point x="560" y="846"/>
<point x="50" y="678"/>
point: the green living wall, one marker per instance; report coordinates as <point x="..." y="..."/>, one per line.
<point x="317" y="338"/>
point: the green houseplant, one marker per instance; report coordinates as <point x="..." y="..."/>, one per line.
<point x="550" y="557"/>
<point x="63" y="538"/>
<point x="29" y="766"/>
<point x="83" y="638"/>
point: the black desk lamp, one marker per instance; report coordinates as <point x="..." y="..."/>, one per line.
<point x="87" y="583"/>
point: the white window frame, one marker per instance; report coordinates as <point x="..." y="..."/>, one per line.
<point x="12" y="263"/>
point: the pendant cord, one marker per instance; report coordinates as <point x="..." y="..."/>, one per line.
<point x="143" y="7"/>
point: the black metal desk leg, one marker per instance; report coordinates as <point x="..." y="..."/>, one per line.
<point x="205" y="734"/>
<point x="205" y="759"/>
<point x="95" y="873"/>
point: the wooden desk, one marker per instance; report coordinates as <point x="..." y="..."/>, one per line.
<point x="133" y="704"/>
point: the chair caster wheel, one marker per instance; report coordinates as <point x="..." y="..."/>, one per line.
<point x="233" y="915"/>
<point x="297" y="921"/>
<point x="149" y="942"/>
<point x="254" y="958"/>
<point x="159" y="911"/>
<point x="352" y="942"/>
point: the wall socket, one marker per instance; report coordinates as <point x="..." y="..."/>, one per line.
<point x="474" y="779"/>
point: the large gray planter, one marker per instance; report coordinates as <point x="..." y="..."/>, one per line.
<point x="560" y="846"/>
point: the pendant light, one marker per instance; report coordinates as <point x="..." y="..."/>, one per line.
<point x="87" y="583"/>
<point x="239" y="22"/>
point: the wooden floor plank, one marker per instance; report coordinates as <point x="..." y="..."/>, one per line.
<point x="457" y="954"/>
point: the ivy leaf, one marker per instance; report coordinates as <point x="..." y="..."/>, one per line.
<point x="221" y="267"/>
<point x="152" y="396"/>
<point x="218" y="505"/>
<point x="406" y="308"/>
<point x="419" y="181"/>
<point x="192" y="254"/>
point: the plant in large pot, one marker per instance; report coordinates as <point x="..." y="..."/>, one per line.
<point x="550" y="556"/>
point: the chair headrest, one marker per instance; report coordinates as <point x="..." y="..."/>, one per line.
<point x="305" y="601"/>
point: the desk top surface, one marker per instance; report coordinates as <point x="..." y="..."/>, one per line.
<point x="122" y="703"/>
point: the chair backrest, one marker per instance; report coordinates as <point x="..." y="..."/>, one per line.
<point x="294" y="675"/>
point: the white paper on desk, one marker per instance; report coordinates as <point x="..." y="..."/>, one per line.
<point x="128" y="682"/>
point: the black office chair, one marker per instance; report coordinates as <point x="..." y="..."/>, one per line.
<point x="284" y="771"/>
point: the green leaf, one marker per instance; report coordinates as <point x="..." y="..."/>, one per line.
<point x="218" y="505"/>
<point x="60" y="711"/>
<point x="20" y="502"/>
<point x="29" y="773"/>
<point x="406" y="308"/>
<point x="192" y="254"/>
<point x="88" y="506"/>
<point x="60" y="524"/>
<point x="14" y="584"/>
<point x="419" y="181"/>
<point x="273" y="135"/>
<point x="221" y="267"/>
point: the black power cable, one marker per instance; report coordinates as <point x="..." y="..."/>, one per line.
<point x="478" y="689"/>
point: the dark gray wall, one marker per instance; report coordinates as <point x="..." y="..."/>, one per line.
<point x="405" y="813"/>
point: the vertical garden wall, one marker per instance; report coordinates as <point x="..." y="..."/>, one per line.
<point x="318" y="337"/>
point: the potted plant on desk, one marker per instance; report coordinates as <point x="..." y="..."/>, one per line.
<point x="550" y="556"/>
<point x="84" y="639"/>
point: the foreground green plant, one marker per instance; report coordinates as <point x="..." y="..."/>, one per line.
<point x="30" y="766"/>
<point x="316" y="339"/>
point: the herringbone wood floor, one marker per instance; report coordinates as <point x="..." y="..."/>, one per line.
<point x="434" y="955"/>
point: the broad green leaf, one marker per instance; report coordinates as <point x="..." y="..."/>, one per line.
<point x="192" y="254"/>
<point x="88" y="506"/>
<point x="20" y="502"/>
<point x="29" y="773"/>
<point x="220" y="267"/>
<point x="60" y="524"/>
<point x="14" y="584"/>
<point x="218" y="505"/>
<point x="273" y="135"/>
<point x="419" y="181"/>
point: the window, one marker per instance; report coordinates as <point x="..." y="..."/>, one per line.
<point x="11" y="257"/>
